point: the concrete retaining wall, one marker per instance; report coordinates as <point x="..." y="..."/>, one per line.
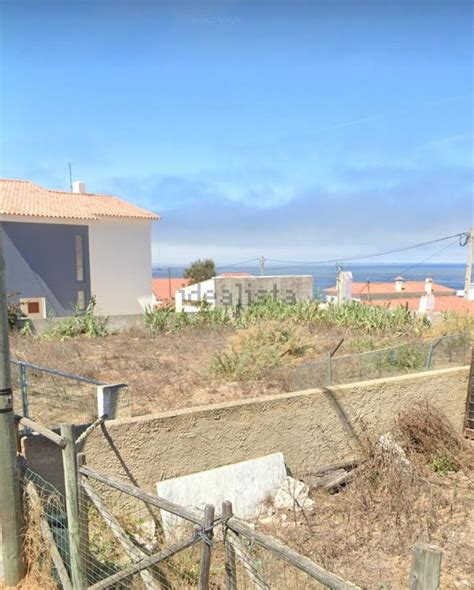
<point x="311" y="428"/>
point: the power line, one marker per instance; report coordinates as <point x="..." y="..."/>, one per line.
<point x="430" y="257"/>
<point x="237" y="263"/>
<point x="371" y="255"/>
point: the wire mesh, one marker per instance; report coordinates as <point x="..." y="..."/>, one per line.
<point x="411" y="357"/>
<point x="122" y="530"/>
<point x="52" y="399"/>
<point x="259" y="567"/>
<point x="52" y="508"/>
<point x="118" y="531"/>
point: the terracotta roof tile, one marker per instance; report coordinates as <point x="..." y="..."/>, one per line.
<point x="22" y="197"/>
<point x="376" y="288"/>
<point x="164" y="288"/>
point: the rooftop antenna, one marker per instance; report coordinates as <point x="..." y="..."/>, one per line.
<point x="70" y="176"/>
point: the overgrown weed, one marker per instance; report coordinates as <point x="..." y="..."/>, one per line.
<point x="267" y="345"/>
<point x="83" y="323"/>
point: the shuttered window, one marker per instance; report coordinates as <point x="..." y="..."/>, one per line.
<point x="79" y="258"/>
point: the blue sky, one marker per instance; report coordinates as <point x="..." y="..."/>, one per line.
<point x="294" y="130"/>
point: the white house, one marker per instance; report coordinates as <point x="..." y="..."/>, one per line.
<point x="62" y="248"/>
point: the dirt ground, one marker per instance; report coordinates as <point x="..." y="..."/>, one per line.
<point x="164" y="372"/>
<point x="377" y="555"/>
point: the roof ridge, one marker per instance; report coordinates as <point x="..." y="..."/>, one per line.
<point x="15" y="180"/>
<point x="81" y="205"/>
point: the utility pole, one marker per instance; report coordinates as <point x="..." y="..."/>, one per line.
<point x="261" y="261"/>
<point x="468" y="276"/>
<point x="10" y="497"/>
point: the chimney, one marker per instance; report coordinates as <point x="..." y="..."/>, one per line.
<point x="344" y="287"/>
<point x="399" y="284"/>
<point x="428" y="285"/>
<point x="78" y="186"/>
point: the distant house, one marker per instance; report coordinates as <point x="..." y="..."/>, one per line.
<point x="62" y="248"/>
<point x="397" y="289"/>
<point x="164" y="289"/>
<point x="423" y="296"/>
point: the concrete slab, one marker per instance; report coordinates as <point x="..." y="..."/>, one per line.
<point x="247" y="485"/>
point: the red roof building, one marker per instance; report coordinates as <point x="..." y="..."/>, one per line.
<point x="165" y="288"/>
<point x="26" y="199"/>
<point x="399" y="288"/>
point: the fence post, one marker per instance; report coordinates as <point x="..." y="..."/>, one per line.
<point x="206" y="548"/>
<point x="231" y="573"/>
<point x="425" y="567"/>
<point x="429" y="357"/>
<point x="72" y="507"/>
<point x="329" y="370"/>
<point x="24" y="390"/>
<point x="83" y="500"/>
<point x="109" y="403"/>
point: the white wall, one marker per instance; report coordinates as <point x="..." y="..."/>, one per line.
<point x="120" y="265"/>
<point x="188" y="298"/>
<point x="120" y="261"/>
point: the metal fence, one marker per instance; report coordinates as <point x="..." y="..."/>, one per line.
<point x="51" y="396"/>
<point x="411" y="357"/>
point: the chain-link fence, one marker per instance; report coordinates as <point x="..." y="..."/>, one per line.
<point x="411" y="357"/>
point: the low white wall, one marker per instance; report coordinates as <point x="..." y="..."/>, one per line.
<point x="188" y="298"/>
<point x="120" y="265"/>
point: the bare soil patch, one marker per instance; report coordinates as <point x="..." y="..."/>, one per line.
<point x="164" y="372"/>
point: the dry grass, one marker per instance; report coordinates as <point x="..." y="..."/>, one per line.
<point x="37" y="557"/>
<point x="172" y="370"/>
<point x="366" y="531"/>
<point x="165" y="371"/>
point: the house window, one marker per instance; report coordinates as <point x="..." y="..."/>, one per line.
<point x="79" y="258"/>
<point x="81" y="300"/>
<point x="33" y="307"/>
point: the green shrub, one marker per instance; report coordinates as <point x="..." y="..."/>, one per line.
<point x="407" y="358"/>
<point x="200" y="270"/>
<point x="443" y="463"/>
<point x="15" y="313"/>
<point x="83" y="323"/>
<point x="252" y="351"/>
<point x="168" y="320"/>
<point x="356" y="316"/>
<point x="157" y="320"/>
<point x="374" y="318"/>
